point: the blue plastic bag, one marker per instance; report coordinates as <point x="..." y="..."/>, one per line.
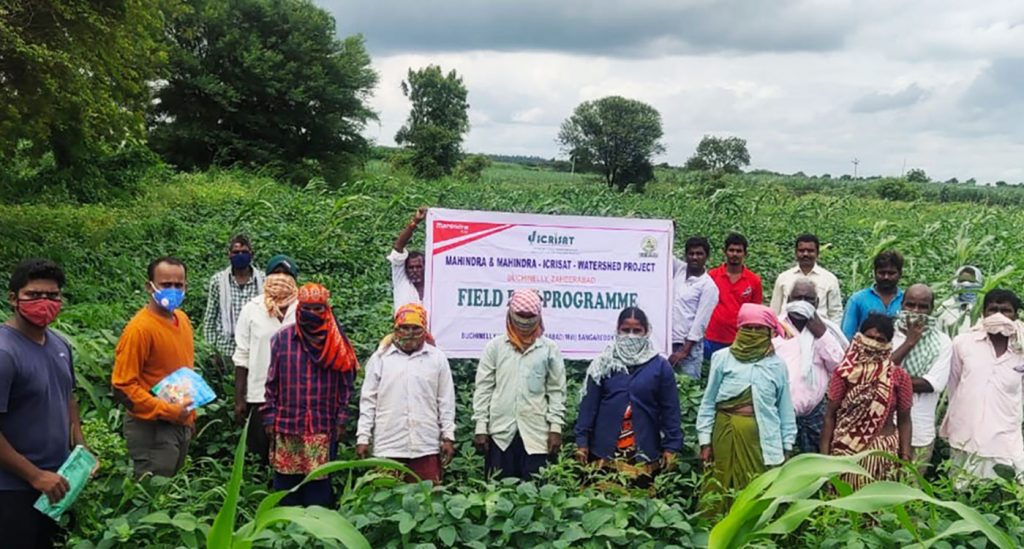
<point x="77" y="469"/>
<point x="185" y="385"/>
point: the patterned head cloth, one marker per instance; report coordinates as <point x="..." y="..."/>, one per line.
<point x="525" y="301"/>
<point x="312" y="292"/>
<point x="523" y="331"/>
<point x="279" y="292"/>
<point x="411" y="314"/>
<point x="319" y="331"/>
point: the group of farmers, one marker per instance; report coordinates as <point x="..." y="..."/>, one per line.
<point x="805" y="374"/>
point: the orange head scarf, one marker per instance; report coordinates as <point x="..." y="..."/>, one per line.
<point x="410" y="314"/>
<point x="319" y="331"/>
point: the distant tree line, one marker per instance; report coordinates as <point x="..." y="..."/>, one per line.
<point x="92" y="90"/>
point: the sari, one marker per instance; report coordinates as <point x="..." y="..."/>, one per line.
<point x="870" y="388"/>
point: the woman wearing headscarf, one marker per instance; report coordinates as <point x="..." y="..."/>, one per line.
<point x="746" y="421"/>
<point x="312" y="369"/>
<point x="261" y="318"/>
<point x="519" y="398"/>
<point x="629" y="414"/>
<point x="865" y="393"/>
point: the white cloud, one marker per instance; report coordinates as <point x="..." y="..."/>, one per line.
<point x="898" y="83"/>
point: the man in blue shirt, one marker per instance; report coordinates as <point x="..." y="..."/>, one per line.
<point x="38" y="413"/>
<point x="884" y="296"/>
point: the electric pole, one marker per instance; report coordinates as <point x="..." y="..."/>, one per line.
<point x="855" y="162"/>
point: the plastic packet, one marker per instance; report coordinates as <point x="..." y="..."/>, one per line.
<point x="184" y="385"/>
<point x="77" y="469"/>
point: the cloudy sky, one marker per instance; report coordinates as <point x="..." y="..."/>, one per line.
<point x="811" y="85"/>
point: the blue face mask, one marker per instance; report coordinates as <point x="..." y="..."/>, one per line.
<point x="241" y="261"/>
<point x="168" y="298"/>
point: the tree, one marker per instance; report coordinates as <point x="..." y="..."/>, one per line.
<point x="719" y="155"/>
<point x="917" y="175"/>
<point x="437" y="122"/>
<point x="471" y="168"/>
<point x="897" y="188"/>
<point x="618" y="135"/>
<point x="74" y="75"/>
<point x="263" y="82"/>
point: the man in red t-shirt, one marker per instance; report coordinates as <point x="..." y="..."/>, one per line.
<point x="736" y="285"/>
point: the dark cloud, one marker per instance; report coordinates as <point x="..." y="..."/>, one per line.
<point x="1000" y="85"/>
<point x="994" y="101"/>
<point x="877" y="102"/>
<point x="627" y="29"/>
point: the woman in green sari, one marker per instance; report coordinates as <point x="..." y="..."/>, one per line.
<point x="746" y="420"/>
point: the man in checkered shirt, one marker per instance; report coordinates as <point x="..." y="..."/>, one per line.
<point x="227" y="292"/>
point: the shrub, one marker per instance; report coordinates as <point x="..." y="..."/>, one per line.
<point x="897" y="189"/>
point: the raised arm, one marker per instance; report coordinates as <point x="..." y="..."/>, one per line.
<point x="403" y="237"/>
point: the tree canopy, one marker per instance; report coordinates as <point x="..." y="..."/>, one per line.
<point x="74" y="74"/>
<point x="618" y="136"/>
<point x="437" y="121"/>
<point x="720" y="155"/>
<point x="262" y="82"/>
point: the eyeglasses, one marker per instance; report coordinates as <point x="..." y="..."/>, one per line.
<point x="30" y="295"/>
<point x="409" y="330"/>
<point x="632" y="331"/>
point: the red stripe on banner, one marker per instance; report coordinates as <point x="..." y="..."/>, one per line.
<point x="473" y="238"/>
<point x="446" y="231"/>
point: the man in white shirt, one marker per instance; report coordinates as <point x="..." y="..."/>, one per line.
<point x="407" y="403"/>
<point x="924" y="351"/>
<point x="830" y="300"/>
<point x="407" y="267"/>
<point x="260" y="318"/>
<point x="695" y="297"/>
<point x="955" y="313"/>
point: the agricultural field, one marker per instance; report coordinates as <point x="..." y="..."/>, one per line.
<point x="340" y="236"/>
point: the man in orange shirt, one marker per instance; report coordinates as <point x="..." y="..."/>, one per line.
<point x="154" y="343"/>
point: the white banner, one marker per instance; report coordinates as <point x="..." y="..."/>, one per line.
<point x="587" y="269"/>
